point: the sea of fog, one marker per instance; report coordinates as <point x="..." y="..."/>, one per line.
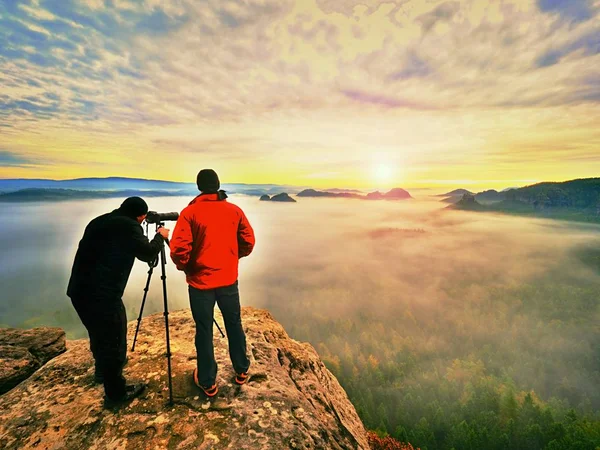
<point x="332" y="257"/>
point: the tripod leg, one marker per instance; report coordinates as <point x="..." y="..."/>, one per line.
<point x="137" y="328"/>
<point x="219" y="328"/>
<point x="166" y="313"/>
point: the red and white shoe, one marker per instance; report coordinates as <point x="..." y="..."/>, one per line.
<point x="208" y="391"/>
<point x="241" y="378"/>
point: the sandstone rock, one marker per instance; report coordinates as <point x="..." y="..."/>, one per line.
<point x="290" y="401"/>
<point x="22" y="352"/>
<point x="283" y="197"/>
<point x="16" y="365"/>
<point x="375" y="195"/>
<point x="397" y="194"/>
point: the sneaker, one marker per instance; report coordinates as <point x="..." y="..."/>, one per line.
<point x="131" y="391"/>
<point x="241" y="378"/>
<point x="208" y="391"/>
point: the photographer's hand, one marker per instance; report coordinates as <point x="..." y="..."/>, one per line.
<point x="164" y="232"/>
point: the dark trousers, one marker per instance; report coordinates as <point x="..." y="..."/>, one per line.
<point x="106" y="323"/>
<point x="202" y="303"/>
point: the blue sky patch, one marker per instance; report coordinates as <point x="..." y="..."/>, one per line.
<point x="589" y="44"/>
<point x="577" y="10"/>
<point x="13" y="159"/>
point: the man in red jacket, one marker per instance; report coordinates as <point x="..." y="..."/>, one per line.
<point x="210" y="237"/>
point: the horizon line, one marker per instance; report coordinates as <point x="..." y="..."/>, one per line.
<point x="441" y="183"/>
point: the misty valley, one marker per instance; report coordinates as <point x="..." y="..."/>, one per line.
<point x="447" y="328"/>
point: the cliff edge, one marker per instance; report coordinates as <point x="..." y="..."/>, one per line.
<point x="290" y="401"/>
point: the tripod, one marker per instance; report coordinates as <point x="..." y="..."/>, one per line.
<point x="163" y="277"/>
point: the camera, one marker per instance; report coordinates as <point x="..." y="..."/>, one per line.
<point x="155" y="217"/>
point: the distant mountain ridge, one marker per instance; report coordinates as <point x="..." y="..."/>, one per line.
<point x="570" y="200"/>
<point x="57" y="194"/>
<point x="13" y="190"/>
<point x="338" y="190"/>
<point x="108" y="183"/>
<point x="455" y="192"/>
<point x="141" y="184"/>
<point x="393" y="194"/>
<point x="485" y="197"/>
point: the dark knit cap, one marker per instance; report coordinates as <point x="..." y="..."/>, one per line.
<point x="134" y="207"/>
<point x="208" y="181"/>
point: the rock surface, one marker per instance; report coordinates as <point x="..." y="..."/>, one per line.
<point x="397" y="194"/>
<point x="290" y="401"/>
<point x="22" y="352"/>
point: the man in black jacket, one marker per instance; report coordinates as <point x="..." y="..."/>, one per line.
<point x="102" y="265"/>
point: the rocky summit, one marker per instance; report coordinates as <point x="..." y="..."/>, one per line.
<point x="22" y="352"/>
<point x="290" y="401"/>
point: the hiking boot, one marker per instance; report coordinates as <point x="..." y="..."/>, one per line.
<point x="131" y="391"/>
<point x="209" y="391"/>
<point x="241" y="378"/>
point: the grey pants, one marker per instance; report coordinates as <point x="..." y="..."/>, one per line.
<point x="202" y="303"/>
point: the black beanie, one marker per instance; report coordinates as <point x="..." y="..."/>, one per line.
<point x="134" y="207"/>
<point x="208" y="181"/>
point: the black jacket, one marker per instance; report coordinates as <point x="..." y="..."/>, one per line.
<point x="105" y="256"/>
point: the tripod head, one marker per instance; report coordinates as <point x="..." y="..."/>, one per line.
<point x="159" y="219"/>
<point x="159" y="224"/>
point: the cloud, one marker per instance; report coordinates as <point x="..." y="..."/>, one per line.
<point x="587" y="45"/>
<point x="382" y="100"/>
<point x="136" y="70"/>
<point x="227" y="148"/>
<point x="16" y="160"/>
<point x="348" y="7"/>
<point x="37" y="106"/>
<point x="237" y="13"/>
<point x="440" y="13"/>
<point x="414" y="66"/>
<point x="158" y="22"/>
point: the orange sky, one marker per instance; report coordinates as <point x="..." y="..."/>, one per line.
<point x="323" y="93"/>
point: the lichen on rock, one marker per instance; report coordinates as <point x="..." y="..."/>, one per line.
<point x="22" y="352"/>
<point x="290" y="401"/>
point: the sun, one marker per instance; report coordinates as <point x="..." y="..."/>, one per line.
<point x="382" y="173"/>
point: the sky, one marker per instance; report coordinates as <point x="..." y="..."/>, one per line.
<point x="321" y="93"/>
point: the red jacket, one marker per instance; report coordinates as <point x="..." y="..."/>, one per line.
<point x="209" y="238"/>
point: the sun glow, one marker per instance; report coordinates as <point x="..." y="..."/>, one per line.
<point x="382" y="173"/>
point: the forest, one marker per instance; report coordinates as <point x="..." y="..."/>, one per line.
<point x="517" y="368"/>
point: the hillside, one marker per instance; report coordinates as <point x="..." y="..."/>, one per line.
<point x="581" y="194"/>
<point x="577" y="200"/>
